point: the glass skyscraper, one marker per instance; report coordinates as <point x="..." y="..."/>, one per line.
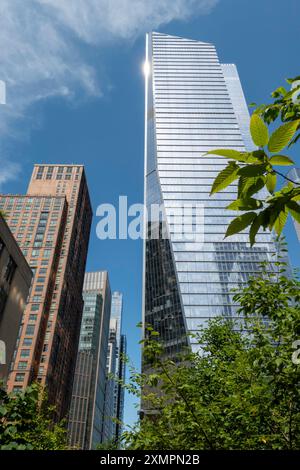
<point x="193" y="104"/>
<point x="120" y="370"/>
<point x="86" y="425"/>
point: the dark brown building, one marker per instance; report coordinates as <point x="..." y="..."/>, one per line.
<point x="52" y="225"/>
<point x="15" y="281"/>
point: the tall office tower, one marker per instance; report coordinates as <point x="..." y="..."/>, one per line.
<point x="294" y="175"/>
<point x="86" y="419"/>
<point x="51" y="223"/>
<point x="120" y="390"/>
<point x="117" y="313"/>
<point x="193" y="104"/>
<point x="109" y="425"/>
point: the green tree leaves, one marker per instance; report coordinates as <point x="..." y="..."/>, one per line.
<point x="294" y="210"/>
<point x="240" y="223"/>
<point x="225" y="177"/>
<point x="259" y="131"/>
<point x="253" y="170"/>
<point x="282" y="136"/>
<point x="228" y="153"/>
<point x="271" y="180"/>
<point x="245" y="204"/>
<point x="281" y="160"/>
<point x="256" y="171"/>
<point x="26" y="422"/>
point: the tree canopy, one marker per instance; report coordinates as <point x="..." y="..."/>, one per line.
<point x="240" y="390"/>
<point x="26" y="422"/>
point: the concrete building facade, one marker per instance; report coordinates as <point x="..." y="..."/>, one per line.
<point x="51" y="223"/>
<point x="15" y="282"/>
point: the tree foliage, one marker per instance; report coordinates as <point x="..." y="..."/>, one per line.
<point x="257" y="170"/>
<point x="26" y="422"/>
<point x="240" y="391"/>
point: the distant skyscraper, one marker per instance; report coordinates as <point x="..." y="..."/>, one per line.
<point x="51" y="223"/>
<point x="193" y="104"/>
<point x="120" y="390"/>
<point x="110" y="386"/>
<point x="294" y="175"/>
<point x="117" y="310"/>
<point x="86" y="422"/>
<point x="116" y="313"/>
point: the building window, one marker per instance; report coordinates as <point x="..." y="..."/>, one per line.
<point x="49" y="173"/>
<point x="17" y="388"/>
<point x="32" y="317"/>
<point x="22" y="365"/>
<point x="27" y="342"/>
<point x="29" y="330"/>
<point x="35" y="253"/>
<point x="40" y="172"/>
<point x="47" y="253"/>
<point x="34" y="307"/>
<point x="25" y="352"/>
<point x="60" y="171"/>
<point x="20" y="378"/>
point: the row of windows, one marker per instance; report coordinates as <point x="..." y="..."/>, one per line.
<point x="181" y="48"/>
<point x="185" y="81"/>
<point x="200" y="149"/>
<point x="191" y="107"/>
<point x="172" y="58"/>
<point x="190" y="122"/>
<point x="27" y="203"/>
<point x="190" y="72"/>
<point x="174" y="99"/>
<point x="61" y="172"/>
<point x="217" y="278"/>
<point x="201" y="63"/>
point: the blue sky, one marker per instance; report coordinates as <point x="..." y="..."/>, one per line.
<point x="75" y="94"/>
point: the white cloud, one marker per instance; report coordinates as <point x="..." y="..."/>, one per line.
<point x="9" y="171"/>
<point x="39" y="39"/>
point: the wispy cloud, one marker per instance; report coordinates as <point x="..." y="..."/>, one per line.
<point x="40" y="54"/>
<point x="9" y="171"/>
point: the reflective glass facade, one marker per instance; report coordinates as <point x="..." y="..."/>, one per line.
<point x="86" y="421"/>
<point x="193" y="104"/>
<point x="120" y="369"/>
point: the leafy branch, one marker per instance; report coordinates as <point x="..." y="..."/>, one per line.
<point x="255" y="172"/>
